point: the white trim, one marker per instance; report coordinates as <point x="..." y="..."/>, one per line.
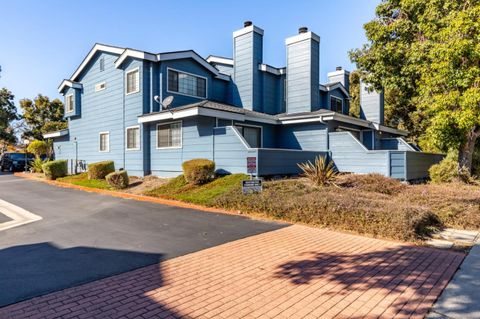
<point x="100" y="141"/>
<point x="302" y="37"/>
<point x="338" y="99"/>
<point x="298" y="121"/>
<point x="137" y="69"/>
<point x="70" y="84"/>
<point x="181" y="135"/>
<point x="98" y="86"/>
<point x="271" y="69"/>
<point x="337" y="85"/>
<point x="56" y="134"/>
<point x="219" y="60"/>
<point x="339" y="72"/>
<point x="191" y="74"/>
<point x="254" y="126"/>
<point x="139" y="138"/>
<point x="67" y="110"/>
<point x="134" y="54"/>
<point x="97" y="47"/>
<point x="250" y="28"/>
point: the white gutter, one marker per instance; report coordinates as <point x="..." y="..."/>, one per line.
<point x="56" y="134"/>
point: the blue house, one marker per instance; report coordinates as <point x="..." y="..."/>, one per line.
<point x="247" y="116"/>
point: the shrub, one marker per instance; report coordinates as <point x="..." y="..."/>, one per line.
<point x="321" y="173"/>
<point x="37" y="148"/>
<point x="198" y="171"/>
<point x="100" y="169"/>
<point x="55" y="169"/>
<point x="376" y="183"/>
<point x="118" y="180"/>
<point x="448" y="170"/>
<point x="37" y="165"/>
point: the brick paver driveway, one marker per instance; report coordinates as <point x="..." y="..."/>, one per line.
<point x="294" y="272"/>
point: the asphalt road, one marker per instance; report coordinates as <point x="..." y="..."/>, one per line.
<point x="85" y="236"/>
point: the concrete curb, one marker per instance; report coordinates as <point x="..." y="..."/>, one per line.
<point x="141" y="198"/>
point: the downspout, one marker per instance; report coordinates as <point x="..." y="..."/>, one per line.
<point x="123" y="121"/>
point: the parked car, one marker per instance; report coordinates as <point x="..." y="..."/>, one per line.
<point x="13" y="162"/>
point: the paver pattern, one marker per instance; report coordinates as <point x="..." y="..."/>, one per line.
<point x="294" y="272"/>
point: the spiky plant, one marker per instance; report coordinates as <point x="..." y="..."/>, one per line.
<point x="322" y="172"/>
<point x="36" y="165"/>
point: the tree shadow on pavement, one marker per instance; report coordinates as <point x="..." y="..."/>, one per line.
<point x="79" y="281"/>
<point x="401" y="279"/>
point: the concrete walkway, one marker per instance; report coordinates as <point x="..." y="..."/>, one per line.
<point x="461" y="298"/>
<point x="293" y="272"/>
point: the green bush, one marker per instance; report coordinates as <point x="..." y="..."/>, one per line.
<point x="118" y="180"/>
<point x="55" y="169"/>
<point x="198" y="171"/>
<point x="448" y="170"/>
<point x="37" y="165"/>
<point x="37" y="148"/>
<point x="100" y="169"/>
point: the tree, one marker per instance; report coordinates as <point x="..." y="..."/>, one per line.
<point x="38" y="148"/>
<point x="40" y="113"/>
<point x="8" y="114"/>
<point x="355" y="93"/>
<point x="426" y="55"/>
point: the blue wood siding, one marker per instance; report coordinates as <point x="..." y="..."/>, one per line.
<point x="349" y="155"/>
<point x="309" y="137"/>
<point x="224" y="68"/>
<point x="283" y="162"/>
<point x="303" y="76"/>
<point x="108" y="110"/>
<point x="395" y="144"/>
<point x="77" y="102"/>
<point x="371" y="105"/>
<point x="247" y="55"/>
<point x="397" y="165"/>
<point x="197" y="142"/>
<point x="418" y="163"/>
<point x="230" y="153"/>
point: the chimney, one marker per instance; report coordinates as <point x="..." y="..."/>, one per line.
<point x="303" y="69"/>
<point x="340" y="75"/>
<point x="371" y="104"/>
<point x="247" y="55"/>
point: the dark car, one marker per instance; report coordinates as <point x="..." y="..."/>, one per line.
<point x="13" y="162"/>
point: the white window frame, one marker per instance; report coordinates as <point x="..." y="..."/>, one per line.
<point x="98" y="86"/>
<point x="139" y="138"/>
<point x="181" y="135"/>
<point x="100" y="141"/>
<point x="67" y="109"/>
<point x="255" y="126"/>
<point x="137" y="69"/>
<point x="192" y="74"/>
<point x="338" y="99"/>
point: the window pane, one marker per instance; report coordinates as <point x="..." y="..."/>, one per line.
<point x="169" y="135"/>
<point x="133" y="138"/>
<point x="132" y="83"/>
<point x="336" y="104"/>
<point x="187" y="84"/>
<point x="104" y="142"/>
<point x="102" y="64"/>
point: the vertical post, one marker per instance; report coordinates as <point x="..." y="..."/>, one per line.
<point x="76" y="155"/>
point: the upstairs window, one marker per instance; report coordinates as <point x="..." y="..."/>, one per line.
<point x="69" y="103"/>
<point x="132" y="81"/>
<point x="133" y="138"/>
<point x="187" y="84"/>
<point x="100" y="86"/>
<point x="102" y="64"/>
<point x="104" y="143"/>
<point x="169" y="135"/>
<point x="336" y="104"/>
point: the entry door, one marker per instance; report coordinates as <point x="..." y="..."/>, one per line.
<point x="251" y="134"/>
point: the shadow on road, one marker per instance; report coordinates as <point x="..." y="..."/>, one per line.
<point x="22" y="277"/>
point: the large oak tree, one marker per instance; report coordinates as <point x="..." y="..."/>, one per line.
<point x="426" y="54"/>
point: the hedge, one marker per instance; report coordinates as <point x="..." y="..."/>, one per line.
<point x="118" y="180"/>
<point x="100" y="170"/>
<point x="198" y="171"/>
<point x="55" y="169"/>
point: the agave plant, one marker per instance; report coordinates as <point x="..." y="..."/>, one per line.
<point x="36" y="165"/>
<point x="321" y="173"/>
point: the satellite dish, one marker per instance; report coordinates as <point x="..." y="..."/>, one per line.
<point x="167" y="101"/>
<point x="157" y="98"/>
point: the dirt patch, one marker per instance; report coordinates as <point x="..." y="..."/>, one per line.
<point x="140" y="185"/>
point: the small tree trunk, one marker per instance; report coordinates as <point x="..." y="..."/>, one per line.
<point x="465" y="153"/>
